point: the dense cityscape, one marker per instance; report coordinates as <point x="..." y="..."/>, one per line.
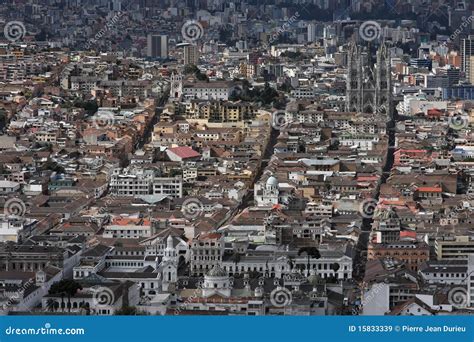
<point x="238" y="157"/>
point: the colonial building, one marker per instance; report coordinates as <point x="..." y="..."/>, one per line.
<point x="412" y="253"/>
<point x="266" y="195"/>
<point x="206" y="252"/>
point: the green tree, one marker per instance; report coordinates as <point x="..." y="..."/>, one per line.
<point x="191" y="69"/>
<point x="236" y="259"/>
<point x="51" y="305"/>
<point x="66" y="286"/>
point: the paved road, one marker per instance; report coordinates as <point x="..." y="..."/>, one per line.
<point x="361" y="254"/>
<point x="146" y="138"/>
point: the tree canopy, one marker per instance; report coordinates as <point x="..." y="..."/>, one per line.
<point x="66" y="286"/>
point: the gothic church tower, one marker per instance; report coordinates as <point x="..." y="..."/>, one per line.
<point x="369" y="82"/>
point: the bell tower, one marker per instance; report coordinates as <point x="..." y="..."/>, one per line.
<point x="170" y="251"/>
<point x="176" y="85"/>
<point x="383" y="95"/>
<point x="369" y="80"/>
<point x="169" y="265"/>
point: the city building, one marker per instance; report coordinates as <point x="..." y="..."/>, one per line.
<point x="157" y="46"/>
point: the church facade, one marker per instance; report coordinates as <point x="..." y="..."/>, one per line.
<point x="369" y="83"/>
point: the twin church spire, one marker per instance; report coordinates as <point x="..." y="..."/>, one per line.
<point x="369" y="82"/>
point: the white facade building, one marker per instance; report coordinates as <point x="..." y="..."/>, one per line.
<point x="267" y="194"/>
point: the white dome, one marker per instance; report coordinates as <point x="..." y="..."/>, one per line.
<point x="272" y="181"/>
<point x="217" y="271"/>
<point x="169" y="241"/>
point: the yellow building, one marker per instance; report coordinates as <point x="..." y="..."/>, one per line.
<point x="220" y="111"/>
<point x="471" y="70"/>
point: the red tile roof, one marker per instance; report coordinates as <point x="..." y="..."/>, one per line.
<point x="121" y="221"/>
<point x="184" y="152"/>
<point x="429" y="189"/>
<point x="408" y="234"/>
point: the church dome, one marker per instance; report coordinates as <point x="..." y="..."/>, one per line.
<point x="217" y="271"/>
<point x="272" y="181"/>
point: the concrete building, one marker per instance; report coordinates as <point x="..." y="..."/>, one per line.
<point x="454" y="247"/>
<point x="191" y="55"/>
<point x="168" y="186"/>
<point x="467" y="50"/>
<point x="206" y="252"/>
<point x="470" y="77"/>
<point x="157" y="46"/>
<point x="131" y="184"/>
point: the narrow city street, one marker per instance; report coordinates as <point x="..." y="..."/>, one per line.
<point x="360" y="258"/>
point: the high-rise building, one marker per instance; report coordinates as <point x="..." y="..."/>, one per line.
<point x="311" y="33"/>
<point x="467" y="50"/>
<point x="191" y="55"/>
<point x="157" y="46"/>
<point x="454" y="75"/>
